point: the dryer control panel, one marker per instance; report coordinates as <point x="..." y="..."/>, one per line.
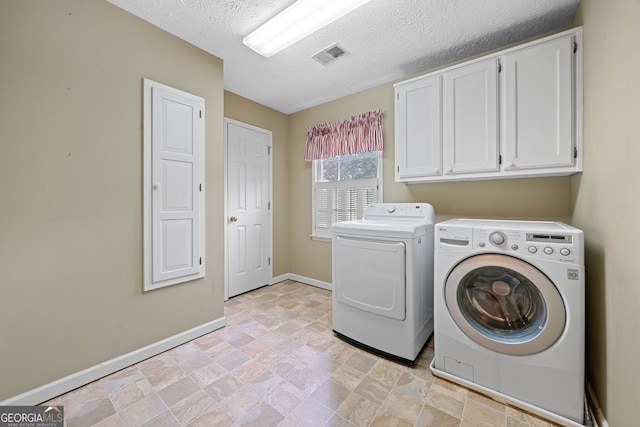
<point x="550" y="241"/>
<point x="399" y="212"/>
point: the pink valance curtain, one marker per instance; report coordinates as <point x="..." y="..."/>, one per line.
<point x="358" y="134"/>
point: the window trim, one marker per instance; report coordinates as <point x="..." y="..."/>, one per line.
<point x="337" y="184"/>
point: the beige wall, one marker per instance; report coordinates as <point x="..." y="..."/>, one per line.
<point x="247" y="111"/>
<point x="530" y="198"/>
<point x="71" y="187"/>
<point x="607" y="203"/>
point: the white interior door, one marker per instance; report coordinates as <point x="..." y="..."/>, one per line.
<point x="249" y="236"/>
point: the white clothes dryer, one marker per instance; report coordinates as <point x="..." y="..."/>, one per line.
<point x="509" y="313"/>
<point x="383" y="278"/>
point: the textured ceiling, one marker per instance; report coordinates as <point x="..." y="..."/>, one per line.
<point x="387" y="41"/>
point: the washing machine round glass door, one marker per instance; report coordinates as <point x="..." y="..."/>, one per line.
<point x="505" y="304"/>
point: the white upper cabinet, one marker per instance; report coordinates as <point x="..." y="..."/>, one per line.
<point x="514" y="113"/>
<point x="418" y="124"/>
<point x="470" y="118"/>
<point x="538" y="106"/>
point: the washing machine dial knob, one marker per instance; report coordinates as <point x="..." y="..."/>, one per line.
<point x="391" y="209"/>
<point x="497" y="238"/>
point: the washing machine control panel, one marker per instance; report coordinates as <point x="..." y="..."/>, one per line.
<point x="556" y="246"/>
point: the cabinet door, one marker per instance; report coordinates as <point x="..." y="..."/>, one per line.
<point x="538" y="107"/>
<point x="418" y="127"/>
<point x="470" y="118"/>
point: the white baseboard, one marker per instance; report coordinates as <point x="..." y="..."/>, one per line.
<point x="302" y="279"/>
<point x="78" y="379"/>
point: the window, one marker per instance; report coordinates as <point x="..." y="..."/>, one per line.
<point x="343" y="186"/>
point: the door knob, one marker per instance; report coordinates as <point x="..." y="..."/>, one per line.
<point x="233" y="219"/>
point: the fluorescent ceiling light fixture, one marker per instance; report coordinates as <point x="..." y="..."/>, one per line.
<point x="296" y="22"/>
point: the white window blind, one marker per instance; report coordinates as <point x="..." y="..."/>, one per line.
<point x="343" y="186"/>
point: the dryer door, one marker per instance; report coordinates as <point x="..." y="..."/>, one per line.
<point x="370" y="275"/>
<point x="505" y="304"/>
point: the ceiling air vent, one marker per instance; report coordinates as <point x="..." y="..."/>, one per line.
<point x="330" y="54"/>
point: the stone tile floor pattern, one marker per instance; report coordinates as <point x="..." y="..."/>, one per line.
<point x="278" y="363"/>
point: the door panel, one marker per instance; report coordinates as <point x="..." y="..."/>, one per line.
<point x="239" y="256"/>
<point x="177" y="136"/>
<point x="176" y="245"/>
<point x="258" y="255"/>
<point x="177" y="181"/>
<point x="248" y="207"/>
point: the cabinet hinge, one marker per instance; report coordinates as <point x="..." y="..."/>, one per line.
<point x="398" y="96"/>
<point x="269" y="150"/>
<point x="398" y="169"/>
<point x="200" y="260"/>
<point x="499" y="159"/>
<point x="200" y="113"/>
<point x="269" y="260"/>
<point x="575" y="47"/>
<point x="575" y="152"/>
<point x="201" y="188"/>
<point x="499" y="67"/>
<point x="269" y="206"/>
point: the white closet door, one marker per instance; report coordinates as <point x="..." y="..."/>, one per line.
<point x="174" y="183"/>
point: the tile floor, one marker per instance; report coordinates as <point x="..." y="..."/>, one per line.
<point x="278" y="363"/>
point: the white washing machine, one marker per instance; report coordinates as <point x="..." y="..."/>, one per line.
<point x="383" y="278"/>
<point x="509" y="313"/>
